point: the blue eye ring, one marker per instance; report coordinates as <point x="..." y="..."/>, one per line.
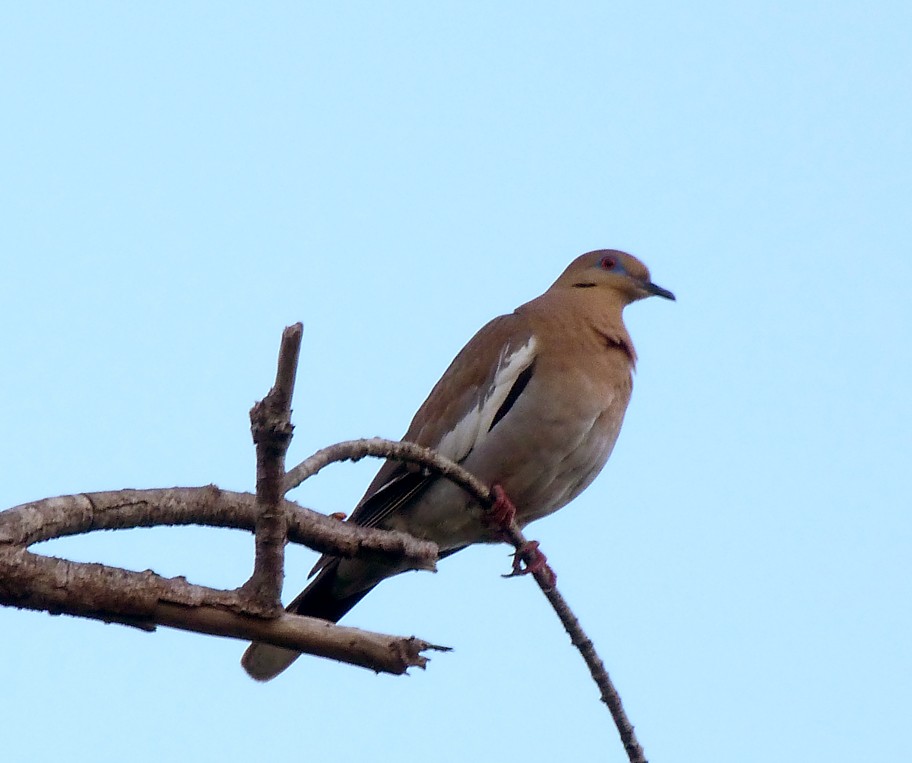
<point x="608" y="262"/>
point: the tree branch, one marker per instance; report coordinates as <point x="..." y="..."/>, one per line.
<point x="270" y="424"/>
<point x="68" y="515"/>
<point x="144" y="600"/>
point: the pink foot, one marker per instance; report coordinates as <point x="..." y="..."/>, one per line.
<point x="502" y="516"/>
<point x="535" y="562"/>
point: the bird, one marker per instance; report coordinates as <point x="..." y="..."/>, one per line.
<point x="532" y="405"/>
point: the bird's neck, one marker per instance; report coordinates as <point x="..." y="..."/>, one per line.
<point x="618" y="340"/>
<point x="589" y="319"/>
<point x="608" y="326"/>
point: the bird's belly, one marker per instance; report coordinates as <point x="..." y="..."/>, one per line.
<point x="540" y="472"/>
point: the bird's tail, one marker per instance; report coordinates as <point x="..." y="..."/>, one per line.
<point x="264" y="661"/>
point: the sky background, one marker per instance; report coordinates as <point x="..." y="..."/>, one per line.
<point x="181" y="181"/>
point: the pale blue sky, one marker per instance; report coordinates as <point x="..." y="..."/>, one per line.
<point x="180" y="181"/>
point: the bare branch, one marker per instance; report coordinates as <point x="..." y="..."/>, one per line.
<point x="68" y="515"/>
<point x="144" y="599"/>
<point x="270" y="423"/>
<point x="375" y="651"/>
<point x="403" y="451"/>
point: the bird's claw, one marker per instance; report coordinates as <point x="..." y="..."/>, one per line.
<point x="528" y="559"/>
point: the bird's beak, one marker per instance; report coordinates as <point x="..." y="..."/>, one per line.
<point x="658" y="291"/>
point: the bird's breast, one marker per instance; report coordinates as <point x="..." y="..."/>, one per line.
<point x="546" y="450"/>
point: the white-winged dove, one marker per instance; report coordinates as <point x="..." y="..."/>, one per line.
<point x="532" y="404"/>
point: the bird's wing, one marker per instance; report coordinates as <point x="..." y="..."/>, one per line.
<point x="474" y="393"/>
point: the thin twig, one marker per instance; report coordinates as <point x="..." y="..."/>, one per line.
<point x="354" y="450"/>
<point x="545" y="579"/>
<point x="270" y="422"/>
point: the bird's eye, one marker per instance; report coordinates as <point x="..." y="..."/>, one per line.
<point x="608" y="263"/>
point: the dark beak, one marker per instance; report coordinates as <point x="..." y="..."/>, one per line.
<point x="658" y="291"/>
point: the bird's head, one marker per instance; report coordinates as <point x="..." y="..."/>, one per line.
<point x="610" y="269"/>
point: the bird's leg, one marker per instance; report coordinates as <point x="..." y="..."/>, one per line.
<point x="501" y="515"/>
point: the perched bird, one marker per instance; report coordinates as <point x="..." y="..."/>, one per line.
<point x="533" y="404"/>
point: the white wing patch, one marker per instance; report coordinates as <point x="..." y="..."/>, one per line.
<point x="473" y="427"/>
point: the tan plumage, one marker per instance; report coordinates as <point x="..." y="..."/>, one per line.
<point x="534" y="403"/>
